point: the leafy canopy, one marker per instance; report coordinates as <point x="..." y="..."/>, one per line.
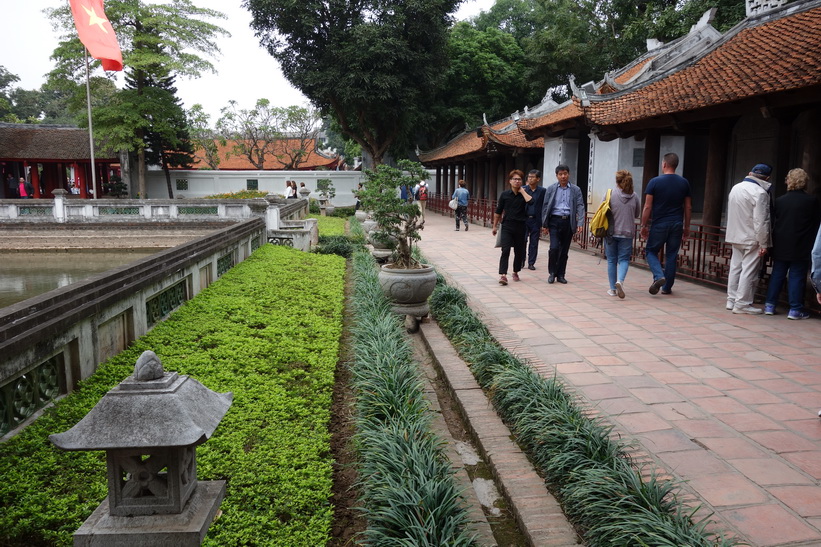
<point x="369" y="63"/>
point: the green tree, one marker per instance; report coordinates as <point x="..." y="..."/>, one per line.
<point x="253" y="132"/>
<point x="158" y="40"/>
<point x="300" y="127"/>
<point x="371" y="64"/>
<point x="7" y="80"/>
<point x="485" y="77"/>
<point x="204" y="139"/>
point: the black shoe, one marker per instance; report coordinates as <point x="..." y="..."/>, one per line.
<point x="531" y="267"/>
<point x="657" y="284"/>
<point x="562" y="280"/>
<point x="551" y="278"/>
<point x="457" y="229"/>
<point x="466" y="227"/>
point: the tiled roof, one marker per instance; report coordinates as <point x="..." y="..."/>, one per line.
<point x="462" y="145"/>
<point x="35" y="142"/>
<point x="625" y="76"/>
<point x="775" y="56"/>
<point x="513" y="138"/>
<point x="565" y="113"/>
<point x="240" y="162"/>
<point x="503" y="132"/>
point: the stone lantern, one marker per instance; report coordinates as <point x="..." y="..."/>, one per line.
<point x="150" y="425"/>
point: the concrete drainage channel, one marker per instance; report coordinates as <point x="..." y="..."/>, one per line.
<point x="509" y="502"/>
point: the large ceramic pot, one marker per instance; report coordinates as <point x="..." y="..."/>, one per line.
<point x="361" y="215"/>
<point x="329" y="210"/>
<point x="408" y="290"/>
<point x="369" y="225"/>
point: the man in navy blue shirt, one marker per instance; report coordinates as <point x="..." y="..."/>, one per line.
<point x="534" y="215"/>
<point x="668" y="202"/>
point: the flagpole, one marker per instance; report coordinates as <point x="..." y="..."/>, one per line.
<point x="90" y="131"/>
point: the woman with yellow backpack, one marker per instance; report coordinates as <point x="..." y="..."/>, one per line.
<point x="625" y="208"/>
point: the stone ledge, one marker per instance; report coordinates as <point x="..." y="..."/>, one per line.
<point x="534" y="507"/>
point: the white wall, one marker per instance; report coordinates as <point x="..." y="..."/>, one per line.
<point x="559" y="150"/>
<point x="203" y="183"/>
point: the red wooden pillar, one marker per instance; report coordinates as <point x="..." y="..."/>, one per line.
<point x="35" y="180"/>
<point x="80" y="180"/>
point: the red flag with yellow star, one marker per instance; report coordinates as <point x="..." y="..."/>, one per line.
<point x="96" y="33"/>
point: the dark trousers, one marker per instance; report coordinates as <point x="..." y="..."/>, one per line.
<point x="513" y="236"/>
<point x="534" y="228"/>
<point x="461" y="213"/>
<point x="561" y="234"/>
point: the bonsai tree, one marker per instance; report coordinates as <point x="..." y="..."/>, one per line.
<point x="325" y="189"/>
<point x="399" y="221"/>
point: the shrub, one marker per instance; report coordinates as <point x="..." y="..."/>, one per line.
<point x="241" y="194"/>
<point x="409" y="495"/>
<point x="338" y="245"/>
<point x="250" y="333"/>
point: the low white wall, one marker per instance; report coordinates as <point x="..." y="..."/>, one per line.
<point x="201" y="183"/>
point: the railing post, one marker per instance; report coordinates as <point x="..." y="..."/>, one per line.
<point x="59" y="209"/>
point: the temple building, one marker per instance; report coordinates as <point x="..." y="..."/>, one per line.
<point x="722" y="102"/>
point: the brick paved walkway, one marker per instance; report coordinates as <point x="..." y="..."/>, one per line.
<point x="726" y="402"/>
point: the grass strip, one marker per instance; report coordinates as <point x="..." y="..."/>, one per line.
<point x="269" y="331"/>
<point x="601" y="489"/>
<point x="409" y="493"/>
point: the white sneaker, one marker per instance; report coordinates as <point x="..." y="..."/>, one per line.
<point x="620" y="289"/>
<point x="749" y="310"/>
<point x="730" y="305"/>
<point x="611" y="292"/>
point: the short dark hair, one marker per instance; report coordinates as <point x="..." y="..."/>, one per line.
<point x="562" y="167"/>
<point x="671" y="159"/>
<point x="535" y="172"/>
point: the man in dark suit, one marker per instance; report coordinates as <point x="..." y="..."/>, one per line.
<point x="562" y="215"/>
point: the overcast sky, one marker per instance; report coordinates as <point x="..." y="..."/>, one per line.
<point x="245" y="72"/>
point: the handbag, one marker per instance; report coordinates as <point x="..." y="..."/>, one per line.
<point x="499" y="237"/>
<point x="453" y="204"/>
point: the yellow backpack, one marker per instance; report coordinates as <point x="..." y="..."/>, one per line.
<point x="600" y="223"/>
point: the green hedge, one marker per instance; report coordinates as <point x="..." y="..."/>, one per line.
<point x="409" y="493"/>
<point x="600" y="487"/>
<point x="269" y="331"/>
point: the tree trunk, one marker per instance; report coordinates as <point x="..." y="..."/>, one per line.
<point x="141" y="173"/>
<point x="168" y="180"/>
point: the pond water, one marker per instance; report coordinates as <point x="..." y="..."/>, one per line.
<point x="24" y="275"/>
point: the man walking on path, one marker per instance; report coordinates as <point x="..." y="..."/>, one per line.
<point x="461" y="195"/>
<point x="667" y="201"/>
<point x="562" y="214"/>
<point x="534" y="215"/>
<point x="748" y="231"/>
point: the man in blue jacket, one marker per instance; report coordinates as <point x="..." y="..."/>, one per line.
<point x="562" y="216"/>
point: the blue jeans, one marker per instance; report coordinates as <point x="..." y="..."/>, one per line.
<point x="618" y="251"/>
<point x="534" y="228"/>
<point x="667" y="234"/>
<point x="796" y="282"/>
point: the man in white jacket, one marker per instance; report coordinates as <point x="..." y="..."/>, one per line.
<point x="748" y="231"/>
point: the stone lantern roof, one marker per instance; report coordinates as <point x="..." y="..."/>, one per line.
<point x="149" y="409"/>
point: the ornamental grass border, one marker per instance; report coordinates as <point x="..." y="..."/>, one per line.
<point x="409" y="494"/>
<point x="608" y="496"/>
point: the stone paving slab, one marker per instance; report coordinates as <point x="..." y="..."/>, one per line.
<point x="725" y="402"/>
